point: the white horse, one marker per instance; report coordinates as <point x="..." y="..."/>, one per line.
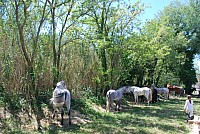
<point x="161" y="91"/>
<point x="115" y="95"/>
<point x="61" y="97"/>
<point x="138" y="91"/>
<point x="143" y="91"/>
<point x="131" y="90"/>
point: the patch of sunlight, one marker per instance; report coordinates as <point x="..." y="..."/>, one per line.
<point x="98" y="108"/>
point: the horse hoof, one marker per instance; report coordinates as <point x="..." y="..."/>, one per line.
<point x="53" y="116"/>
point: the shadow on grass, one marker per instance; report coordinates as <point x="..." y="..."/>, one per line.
<point x="56" y="129"/>
<point x="167" y="117"/>
<point x="162" y="117"/>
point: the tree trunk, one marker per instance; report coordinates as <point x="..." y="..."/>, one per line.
<point x="187" y="72"/>
<point x="105" y="68"/>
<point x="55" y="71"/>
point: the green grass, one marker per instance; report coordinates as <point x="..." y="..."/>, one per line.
<point x="164" y="117"/>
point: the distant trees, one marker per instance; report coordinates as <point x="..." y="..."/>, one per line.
<point x="184" y="20"/>
<point x="95" y="45"/>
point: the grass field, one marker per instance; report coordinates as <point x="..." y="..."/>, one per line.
<point x="162" y="117"/>
<point x="89" y="116"/>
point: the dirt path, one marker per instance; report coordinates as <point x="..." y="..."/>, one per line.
<point x="195" y="129"/>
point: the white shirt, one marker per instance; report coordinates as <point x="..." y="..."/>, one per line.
<point x="189" y="107"/>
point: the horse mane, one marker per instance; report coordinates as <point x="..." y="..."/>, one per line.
<point x="122" y="89"/>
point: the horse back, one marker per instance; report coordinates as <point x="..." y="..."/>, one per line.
<point x="139" y="91"/>
<point x="113" y="94"/>
<point x="176" y="89"/>
<point x="162" y="90"/>
<point x="132" y="88"/>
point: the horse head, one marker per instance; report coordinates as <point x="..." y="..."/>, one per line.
<point x="126" y="90"/>
<point x="153" y="86"/>
<point x="61" y="85"/>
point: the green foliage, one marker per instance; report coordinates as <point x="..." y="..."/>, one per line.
<point x="183" y="19"/>
<point x="13" y="101"/>
<point x="96" y="45"/>
<point x="93" y="45"/>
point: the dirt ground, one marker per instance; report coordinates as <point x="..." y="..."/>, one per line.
<point x="28" y="121"/>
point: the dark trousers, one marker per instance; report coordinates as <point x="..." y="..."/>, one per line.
<point x="188" y="117"/>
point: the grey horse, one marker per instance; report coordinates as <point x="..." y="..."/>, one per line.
<point x="115" y="95"/>
<point x="61" y="97"/>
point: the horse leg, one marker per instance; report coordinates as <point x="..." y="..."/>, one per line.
<point x="148" y="98"/>
<point x="69" y="114"/>
<point x="156" y="97"/>
<point x="54" y="113"/>
<point x="111" y="105"/>
<point x="181" y="92"/>
<point x="159" y="97"/>
<point x="108" y="105"/>
<point x="62" y="114"/>
<point x="119" y="105"/>
<point x="136" y="100"/>
<point x="168" y="95"/>
<point x="116" y="108"/>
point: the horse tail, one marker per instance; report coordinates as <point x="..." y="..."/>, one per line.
<point x="108" y="101"/>
<point x="68" y="104"/>
<point x="67" y="100"/>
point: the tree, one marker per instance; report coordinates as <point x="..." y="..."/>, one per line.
<point x="28" y="27"/>
<point x="66" y="19"/>
<point x="23" y="21"/>
<point x="111" y="20"/>
<point x="184" y="19"/>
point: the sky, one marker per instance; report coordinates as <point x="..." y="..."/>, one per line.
<point x="155" y="7"/>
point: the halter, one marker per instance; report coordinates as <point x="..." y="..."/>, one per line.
<point x="59" y="95"/>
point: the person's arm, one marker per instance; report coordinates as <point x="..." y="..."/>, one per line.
<point x="185" y="106"/>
